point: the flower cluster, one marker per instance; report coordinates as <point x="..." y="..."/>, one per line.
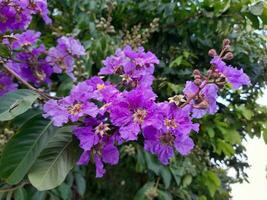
<point x="31" y="61"/>
<point x="62" y="56"/>
<point x="135" y="67"/>
<point x="106" y="115"/>
<point x="27" y="56"/>
<point x="17" y="14"/>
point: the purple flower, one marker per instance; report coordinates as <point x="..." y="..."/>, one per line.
<point x="102" y="91"/>
<point x="31" y="67"/>
<point x="25" y="39"/>
<point x="236" y="77"/>
<point x="17" y="14"/>
<point x="61" y="61"/>
<point x="205" y="102"/>
<point x="94" y="140"/>
<point x="114" y="64"/>
<point x="164" y="143"/>
<point x="176" y="119"/>
<point x="68" y="109"/>
<point x="71" y="46"/>
<point x="62" y="56"/>
<point x="6" y="84"/>
<point x="135" y="66"/>
<point x="134" y="110"/>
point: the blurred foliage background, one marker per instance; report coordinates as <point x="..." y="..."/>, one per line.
<point x="180" y="33"/>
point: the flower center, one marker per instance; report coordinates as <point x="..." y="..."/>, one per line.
<point x="170" y="123"/>
<point x="167" y="139"/>
<point x="100" y="86"/>
<point x="75" y="109"/>
<point x="2" y="86"/>
<point x="102" y="129"/>
<point x="61" y="63"/>
<point x="3" y="19"/>
<point x="139" y="116"/>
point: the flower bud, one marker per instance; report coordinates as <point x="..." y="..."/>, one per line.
<point x="228" y="56"/>
<point x="212" y="53"/>
<point x="198" y="82"/>
<point x="196" y="72"/>
<point x="226" y="42"/>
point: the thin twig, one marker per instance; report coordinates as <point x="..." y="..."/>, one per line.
<point x="28" y="85"/>
<point x="20" y="185"/>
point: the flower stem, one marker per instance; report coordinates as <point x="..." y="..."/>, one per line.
<point x="28" y="85"/>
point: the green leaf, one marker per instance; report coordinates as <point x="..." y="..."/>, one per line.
<point x="23" y="149"/>
<point x="166" y="176"/>
<point x="257" y="8"/>
<point x="164" y="195"/>
<point x="222" y="146"/>
<point x="141" y="194"/>
<point x="187" y="180"/>
<point x="211" y="181"/>
<point x="264" y="135"/>
<point x="21" y="194"/>
<point x="152" y="163"/>
<point x="55" y="162"/>
<point x="16" y="103"/>
<point x="80" y="183"/>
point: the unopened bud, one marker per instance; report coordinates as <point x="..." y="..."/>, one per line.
<point x="212" y="53"/>
<point x="226" y="42"/>
<point x="198" y="82"/>
<point x="196" y="72"/>
<point x="227" y="48"/>
<point x="197" y="76"/>
<point x="228" y="56"/>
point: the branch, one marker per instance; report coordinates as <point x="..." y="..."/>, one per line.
<point x="20" y="185"/>
<point x="28" y="85"/>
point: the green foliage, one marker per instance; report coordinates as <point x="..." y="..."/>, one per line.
<point x="186" y="30"/>
<point x="23" y="149"/>
<point x="16" y="103"/>
<point x="55" y="161"/>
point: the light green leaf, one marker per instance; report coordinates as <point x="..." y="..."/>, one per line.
<point x="164" y="195"/>
<point x="16" y="103"/>
<point x="264" y="135"/>
<point x="23" y="149"/>
<point x="141" y="194"/>
<point x="211" y="181"/>
<point x="55" y="162"/>
<point x="257" y="8"/>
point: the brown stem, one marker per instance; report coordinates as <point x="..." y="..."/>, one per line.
<point x="23" y="183"/>
<point x="12" y="72"/>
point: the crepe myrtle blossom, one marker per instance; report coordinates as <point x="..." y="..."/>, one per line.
<point x="205" y="102"/>
<point x="164" y="143"/>
<point x="6" y="84"/>
<point x="96" y="143"/>
<point x="25" y="39"/>
<point x="17" y="14"/>
<point x="62" y="56"/>
<point x="102" y="90"/>
<point x="31" y="66"/>
<point x="236" y="77"/>
<point x="68" y="109"/>
<point x="134" y="110"/>
<point x="135" y="66"/>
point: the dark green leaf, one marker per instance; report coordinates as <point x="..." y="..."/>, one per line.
<point x="55" y="162"/>
<point x="16" y="103"/>
<point x="23" y="149"/>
